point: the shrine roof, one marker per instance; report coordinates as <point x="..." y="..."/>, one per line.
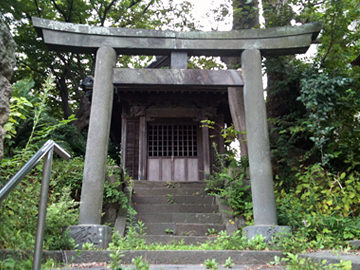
<point x="62" y="36"/>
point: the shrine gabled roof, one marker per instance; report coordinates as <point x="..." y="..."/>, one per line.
<point x="62" y="36"/>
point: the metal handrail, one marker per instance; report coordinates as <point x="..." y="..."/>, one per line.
<point x="46" y="150"/>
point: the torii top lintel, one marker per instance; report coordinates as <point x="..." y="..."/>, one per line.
<point x="79" y="38"/>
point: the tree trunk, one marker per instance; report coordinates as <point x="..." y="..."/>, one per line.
<point x="7" y="64"/>
<point x="83" y="114"/>
<point x="64" y="94"/>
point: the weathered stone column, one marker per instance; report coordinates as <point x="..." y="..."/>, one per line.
<point x="262" y="187"/>
<point x="89" y="228"/>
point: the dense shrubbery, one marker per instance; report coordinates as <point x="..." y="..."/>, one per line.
<point x="18" y="212"/>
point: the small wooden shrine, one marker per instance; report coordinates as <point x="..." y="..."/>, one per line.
<point x="160" y="131"/>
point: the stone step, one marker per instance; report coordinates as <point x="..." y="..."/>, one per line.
<point x="180" y="267"/>
<point x="183" y="229"/>
<point x="169" y="185"/>
<point x="181" y="217"/>
<point x="169" y="256"/>
<point x="175" y="208"/>
<point x="170" y="239"/>
<point x="195" y="229"/>
<point x="165" y="191"/>
<point x="160" y="228"/>
<point x="173" y="199"/>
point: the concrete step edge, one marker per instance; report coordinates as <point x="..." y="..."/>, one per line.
<point x="176" y="208"/>
<point x="170" y="256"/>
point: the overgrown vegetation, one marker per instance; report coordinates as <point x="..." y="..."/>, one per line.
<point x="18" y="212"/>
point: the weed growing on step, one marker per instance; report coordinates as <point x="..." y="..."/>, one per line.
<point x="88" y="246"/>
<point x="173" y="184"/>
<point x="211" y="264"/>
<point x="168" y="231"/>
<point x="294" y="262"/>
<point x="189" y="233"/>
<point x="116" y="256"/>
<point x="229" y="263"/>
<point x="170" y="199"/>
<point x="133" y="239"/>
<point x="140" y="264"/>
<point x="212" y="232"/>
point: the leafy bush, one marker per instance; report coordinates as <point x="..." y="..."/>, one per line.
<point x="323" y="208"/>
<point x="228" y="184"/>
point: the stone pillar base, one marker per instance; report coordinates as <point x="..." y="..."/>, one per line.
<point x="99" y="235"/>
<point x="266" y="231"/>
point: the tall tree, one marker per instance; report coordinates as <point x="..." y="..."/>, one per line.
<point x="69" y="69"/>
<point x="293" y="84"/>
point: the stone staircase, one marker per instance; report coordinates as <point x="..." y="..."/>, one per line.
<point x="176" y="211"/>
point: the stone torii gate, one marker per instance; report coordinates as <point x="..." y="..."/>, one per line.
<point x="107" y="43"/>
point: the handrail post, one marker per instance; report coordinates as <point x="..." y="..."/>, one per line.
<point x="42" y="209"/>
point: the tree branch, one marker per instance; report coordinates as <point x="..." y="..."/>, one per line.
<point x="61" y="11"/>
<point x="72" y="77"/>
<point x="133" y="3"/>
<point x="107" y="9"/>
<point x="64" y="93"/>
<point x="71" y="9"/>
<point x="37" y="8"/>
<point x="80" y="68"/>
<point x="147" y="7"/>
<point x="29" y="66"/>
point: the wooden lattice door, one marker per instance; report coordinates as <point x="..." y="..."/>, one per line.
<point x="173" y="152"/>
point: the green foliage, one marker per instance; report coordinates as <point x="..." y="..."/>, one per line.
<point x="19" y="211"/>
<point x="229" y="263"/>
<point x="13" y="264"/>
<point x="20" y="107"/>
<point x="294" y="262"/>
<point x="322" y="209"/>
<point x="173" y="184"/>
<point x="51" y="264"/>
<point x="88" y="246"/>
<point x="212" y="232"/>
<point x="228" y="184"/>
<point x="168" y="231"/>
<point x="327" y="99"/>
<point x="211" y="264"/>
<point x="132" y="240"/>
<point x="170" y="199"/>
<point x="223" y="241"/>
<point x="19" y="222"/>
<point x="116" y="256"/>
<point x="140" y="264"/>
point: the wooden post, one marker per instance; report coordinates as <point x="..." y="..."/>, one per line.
<point x="123" y="140"/>
<point x="142" y="148"/>
<point x="237" y="109"/>
<point x="206" y="151"/>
